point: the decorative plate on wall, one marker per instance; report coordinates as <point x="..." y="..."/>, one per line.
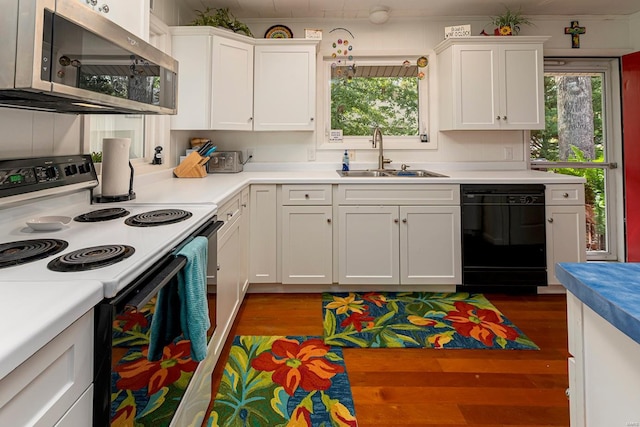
<point x="278" y="32"/>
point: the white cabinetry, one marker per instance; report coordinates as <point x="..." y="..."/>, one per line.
<point x="231" y="248"/>
<point x="52" y="382"/>
<point x="285" y="85"/>
<point x="491" y="84"/>
<point x="263" y="234"/>
<point x="133" y="16"/>
<point x="566" y="226"/>
<point x="399" y="234"/>
<point x="215" y="79"/>
<point x="604" y="380"/>
<point x="307" y="237"/>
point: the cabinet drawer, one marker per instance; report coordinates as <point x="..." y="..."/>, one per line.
<point x="42" y="389"/>
<point x="306" y="194"/>
<point x="395" y="194"/>
<point x="229" y="212"/>
<point x="564" y="194"/>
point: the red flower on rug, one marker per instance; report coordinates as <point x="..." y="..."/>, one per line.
<point x="127" y="320"/>
<point x="481" y="324"/>
<point x="375" y="298"/>
<point x="296" y="364"/>
<point x="357" y="319"/>
<point x="140" y="373"/>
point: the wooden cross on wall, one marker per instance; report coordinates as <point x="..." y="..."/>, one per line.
<point x="575" y="30"/>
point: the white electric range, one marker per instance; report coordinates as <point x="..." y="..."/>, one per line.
<point x="136" y="247"/>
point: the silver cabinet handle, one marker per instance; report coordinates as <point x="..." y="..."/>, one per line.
<point x="504" y="117"/>
<point x="250" y="119"/>
<point x="229" y="215"/>
<point x="218" y="267"/>
<point x="328" y="220"/>
<point x="306" y="196"/>
<point x="565" y="195"/>
<point x="404" y="220"/>
<point x="396" y="220"/>
<point x="311" y="118"/>
<point x="244" y="205"/>
<point x="550" y="220"/>
<point x="498" y="118"/>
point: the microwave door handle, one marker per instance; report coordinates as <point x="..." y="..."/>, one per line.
<point x="157" y="282"/>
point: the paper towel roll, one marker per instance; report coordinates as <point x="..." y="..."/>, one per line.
<point x="115" y="166"/>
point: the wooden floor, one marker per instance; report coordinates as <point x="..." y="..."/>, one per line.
<point x="428" y="387"/>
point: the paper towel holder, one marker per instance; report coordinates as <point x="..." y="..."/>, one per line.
<point x="120" y="198"/>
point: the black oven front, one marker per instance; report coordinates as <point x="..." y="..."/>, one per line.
<point x="503" y="236"/>
<point x="126" y="384"/>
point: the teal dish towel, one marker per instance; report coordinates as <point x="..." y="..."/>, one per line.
<point x="192" y="290"/>
<point x="165" y="324"/>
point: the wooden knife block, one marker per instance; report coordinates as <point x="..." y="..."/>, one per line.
<point x="192" y="166"/>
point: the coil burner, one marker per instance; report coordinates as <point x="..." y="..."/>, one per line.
<point x="102" y="215"/>
<point x="24" y="251"/>
<point x="158" y="217"/>
<point x="91" y="258"/>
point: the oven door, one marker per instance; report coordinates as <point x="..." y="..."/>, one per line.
<point x="127" y="385"/>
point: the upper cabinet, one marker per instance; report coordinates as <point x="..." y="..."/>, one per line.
<point x="215" y="86"/>
<point x="489" y="83"/>
<point x="285" y="85"/>
<point x="133" y="16"/>
<point x="233" y="82"/>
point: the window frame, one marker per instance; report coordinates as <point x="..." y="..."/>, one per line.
<point x="612" y="121"/>
<point x="426" y="117"/>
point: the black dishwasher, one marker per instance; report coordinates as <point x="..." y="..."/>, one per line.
<point x="503" y="237"/>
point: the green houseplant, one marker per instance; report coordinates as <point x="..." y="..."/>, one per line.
<point x="509" y="22"/>
<point x="221" y="18"/>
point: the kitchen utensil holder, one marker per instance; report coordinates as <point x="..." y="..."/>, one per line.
<point x="192" y="166"/>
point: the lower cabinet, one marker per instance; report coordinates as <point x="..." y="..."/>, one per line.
<point x="566" y="226"/>
<point x="390" y="245"/>
<point x="263" y="229"/>
<point x="307" y="242"/>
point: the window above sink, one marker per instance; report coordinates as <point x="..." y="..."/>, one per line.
<point x="390" y="92"/>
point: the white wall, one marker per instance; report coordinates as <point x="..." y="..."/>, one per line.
<point x="634" y="36"/>
<point x="606" y="36"/>
<point x="30" y="134"/>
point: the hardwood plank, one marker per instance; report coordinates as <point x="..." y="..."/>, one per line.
<point x="428" y="387"/>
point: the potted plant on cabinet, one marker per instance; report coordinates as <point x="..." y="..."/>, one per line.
<point x="509" y="22"/>
<point x="221" y="18"/>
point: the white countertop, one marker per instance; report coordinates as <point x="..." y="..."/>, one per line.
<point x="217" y="188"/>
<point x="32" y="313"/>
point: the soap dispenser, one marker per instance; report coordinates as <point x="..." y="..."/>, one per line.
<point x="345" y="161"/>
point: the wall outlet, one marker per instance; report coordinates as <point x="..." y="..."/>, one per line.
<point x="352" y="155"/>
<point x="508" y="153"/>
<point x="311" y="154"/>
<point x="249" y="154"/>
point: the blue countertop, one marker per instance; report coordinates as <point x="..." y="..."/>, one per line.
<point x="611" y="289"/>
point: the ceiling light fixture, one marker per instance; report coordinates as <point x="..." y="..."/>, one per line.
<point x="379" y="14"/>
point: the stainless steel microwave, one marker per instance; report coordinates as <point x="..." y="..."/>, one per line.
<point x="61" y="56"/>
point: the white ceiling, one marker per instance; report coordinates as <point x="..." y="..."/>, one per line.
<point x="353" y="9"/>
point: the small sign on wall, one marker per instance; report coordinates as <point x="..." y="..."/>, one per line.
<point x="457" y="31"/>
<point x="335" y="135"/>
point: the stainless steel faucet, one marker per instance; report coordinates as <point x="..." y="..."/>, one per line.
<point x="377" y="135"/>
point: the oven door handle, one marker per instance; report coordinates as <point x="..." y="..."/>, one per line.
<point x="160" y="278"/>
<point x="209" y="229"/>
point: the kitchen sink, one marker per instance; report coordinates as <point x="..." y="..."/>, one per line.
<point x="418" y="173"/>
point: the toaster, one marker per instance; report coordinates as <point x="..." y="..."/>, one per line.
<point x="225" y="162"/>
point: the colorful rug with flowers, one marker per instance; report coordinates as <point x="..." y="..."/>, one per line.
<point x="283" y="381"/>
<point x="418" y="319"/>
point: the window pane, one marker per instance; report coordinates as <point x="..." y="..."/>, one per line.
<point x="118" y="126"/>
<point x="372" y="96"/>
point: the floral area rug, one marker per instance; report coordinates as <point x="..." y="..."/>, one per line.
<point x="146" y="393"/>
<point x="418" y="319"/>
<point x="283" y="381"/>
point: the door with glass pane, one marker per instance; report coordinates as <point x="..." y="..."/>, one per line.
<point x="579" y="139"/>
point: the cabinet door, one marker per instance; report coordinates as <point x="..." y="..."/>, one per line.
<point x="228" y="286"/>
<point x="133" y="16"/>
<point x="476" y="87"/>
<point x="566" y="239"/>
<point x="307" y="244"/>
<point x="522" y="87"/>
<point x="263" y="238"/>
<point x="232" y="80"/>
<point x="193" y="51"/>
<point x="368" y="245"/>
<point x="285" y="87"/>
<point x="244" y="239"/>
<point x="430" y="245"/>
